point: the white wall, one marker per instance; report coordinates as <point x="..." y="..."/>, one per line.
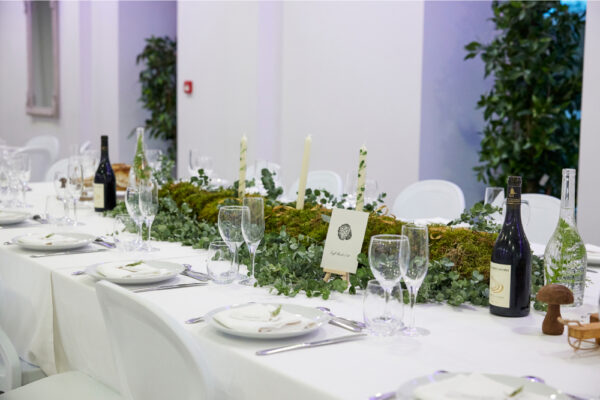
<point x="98" y="43"/>
<point x="347" y="73"/>
<point x="588" y="216"/>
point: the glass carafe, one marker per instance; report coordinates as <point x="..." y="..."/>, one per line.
<point x="565" y="258"/>
<point x="140" y="169"/>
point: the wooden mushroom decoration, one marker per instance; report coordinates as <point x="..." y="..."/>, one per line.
<point x="554" y="295"/>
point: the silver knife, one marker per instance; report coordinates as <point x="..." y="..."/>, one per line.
<point x="165" y="287"/>
<point x="307" y="345"/>
<point x="343" y="323"/>
<point x="66" y="253"/>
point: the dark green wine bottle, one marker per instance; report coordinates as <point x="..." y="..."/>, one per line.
<point x="105" y="183"/>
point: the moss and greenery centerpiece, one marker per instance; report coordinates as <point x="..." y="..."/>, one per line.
<point x="289" y="260"/>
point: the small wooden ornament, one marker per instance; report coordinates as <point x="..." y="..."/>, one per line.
<point x="583" y="336"/>
<point x="345" y="275"/>
<point x="554" y="295"/>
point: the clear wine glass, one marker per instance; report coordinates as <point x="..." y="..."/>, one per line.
<point x="75" y="184"/>
<point x="415" y="270"/>
<point x="60" y="188"/>
<point x="154" y="157"/>
<point x="198" y="161"/>
<point x="148" y="198"/>
<point x="230" y="228"/>
<point x="253" y="229"/>
<point x="21" y="166"/>
<point x="132" y="202"/>
<point x="388" y="256"/>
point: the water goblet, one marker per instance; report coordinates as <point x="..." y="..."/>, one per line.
<point x="230" y="228"/>
<point x="415" y="270"/>
<point x="388" y="256"/>
<point x="132" y="203"/>
<point x="220" y="263"/>
<point x="253" y="230"/>
<point x="148" y="198"/>
<point x="378" y="321"/>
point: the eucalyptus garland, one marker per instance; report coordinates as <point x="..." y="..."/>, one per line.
<point x="289" y="256"/>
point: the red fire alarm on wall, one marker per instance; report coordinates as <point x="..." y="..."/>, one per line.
<point x="187" y="87"/>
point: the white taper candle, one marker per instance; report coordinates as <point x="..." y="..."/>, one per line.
<point x="303" y="173"/>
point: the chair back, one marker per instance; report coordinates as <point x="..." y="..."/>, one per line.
<point x="61" y="165"/>
<point x="156" y="357"/>
<point x="10" y="365"/>
<point x="322" y="179"/>
<point x="544" y="211"/>
<point x="46" y="142"/>
<point x="430" y="199"/>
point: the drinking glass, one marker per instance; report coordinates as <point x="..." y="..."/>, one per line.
<point x="60" y="188"/>
<point x="125" y="233"/>
<point x="378" y="321"/>
<point x="388" y="256"/>
<point x="198" y="161"/>
<point x="230" y="227"/>
<point x="253" y="229"/>
<point x="415" y="270"/>
<point x="21" y="166"/>
<point x="89" y="161"/>
<point x="350" y="189"/>
<point x="4" y="183"/>
<point x="148" y="198"/>
<point x="132" y="203"/>
<point x="75" y="184"/>
<point x="56" y="213"/>
<point x="494" y="196"/>
<point x="154" y="157"/>
<point x="220" y="263"/>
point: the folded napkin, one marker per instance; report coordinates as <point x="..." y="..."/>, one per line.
<point x="48" y="239"/>
<point x="261" y="318"/>
<point x="473" y="386"/>
<point x="129" y="269"/>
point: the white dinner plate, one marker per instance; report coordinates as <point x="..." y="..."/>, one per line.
<point x="13" y="217"/>
<point x="317" y="316"/>
<point x="405" y="392"/>
<point x="174" y="270"/>
<point x="81" y="240"/>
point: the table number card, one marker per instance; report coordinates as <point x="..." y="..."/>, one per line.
<point x="344" y="240"/>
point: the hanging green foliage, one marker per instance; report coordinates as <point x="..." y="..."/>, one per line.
<point x="532" y="111"/>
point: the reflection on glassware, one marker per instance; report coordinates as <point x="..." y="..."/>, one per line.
<point x="198" y="161"/>
<point x="125" y="233"/>
<point x="383" y="317"/>
<point x="74" y="184"/>
<point x="220" y="263"/>
<point x="253" y="229"/>
<point x="230" y="228"/>
<point x="148" y="198"/>
<point x="154" y="157"/>
<point x="132" y="203"/>
<point x="415" y="270"/>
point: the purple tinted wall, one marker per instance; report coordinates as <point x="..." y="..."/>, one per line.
<point x="450" y="123"/>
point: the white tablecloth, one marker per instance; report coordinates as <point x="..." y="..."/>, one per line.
<point x="463" y="338"/>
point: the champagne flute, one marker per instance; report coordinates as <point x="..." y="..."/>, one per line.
<point x="253" y="229"/>
<point x="75" y="184"/>
<point x="148" y="198"/>
<point x="388" y="256"/>
<point x="132" y="203"/>
<point x="415" y="270"/>
<point x="230" y="228"/>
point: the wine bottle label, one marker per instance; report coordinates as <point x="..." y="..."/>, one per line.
<point x="514" y="195"/>
<point x="500" y="284"/>
<point x="98" y="195"/>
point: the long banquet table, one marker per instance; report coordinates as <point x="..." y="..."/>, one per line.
<point x="54" y="320"/>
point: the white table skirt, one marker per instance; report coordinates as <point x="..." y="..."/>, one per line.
<point x="463" y="338"/>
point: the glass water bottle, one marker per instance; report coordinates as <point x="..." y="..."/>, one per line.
<point x="565" y="258"/>
<point x="140" y="170"/>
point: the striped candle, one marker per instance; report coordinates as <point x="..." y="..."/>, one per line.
<point x="242" y="179"/>
<point x="362" y="177"/>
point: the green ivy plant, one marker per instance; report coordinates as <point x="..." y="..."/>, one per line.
<point x="532" y="112"/>
<point x="159" y="89"/>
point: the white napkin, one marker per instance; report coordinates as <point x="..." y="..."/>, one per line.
<point x="259" y="318"/>
<point x="48" y="239"/>
<point x="120" y="270"/>
<point x="473" y="386"/>
<point x="429" y="221"/>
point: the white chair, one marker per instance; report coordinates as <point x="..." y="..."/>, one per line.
<point x="429" y="199"/>
<point x="156" y="357"/>
<point x="60" y="165"/>
<point x="47" y="142"/>
<point x="15" y="372"/>
<point x="67" y="386"/>
<point x="323" y="179"/>
<point x="43" y="151"/>
<point x="544" y="211"/>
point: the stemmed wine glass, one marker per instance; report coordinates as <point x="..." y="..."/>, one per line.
<point x="388" y="256"/>
<point x="230" y="228"/>
<point x="415" y="270"/>
<point x="132" y="202"/>
<point x="253" y="229"/>
<point x="148" y="198"/>
<point x="21" y="164"/>
<point x="75" y="184"/>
